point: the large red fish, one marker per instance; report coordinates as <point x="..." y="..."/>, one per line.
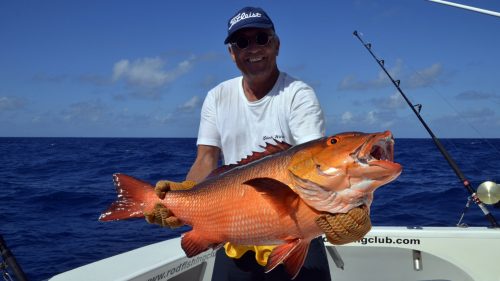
<point x="271" y="197"/>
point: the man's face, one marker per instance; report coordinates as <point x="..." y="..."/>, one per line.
<point x="258" y="57"/>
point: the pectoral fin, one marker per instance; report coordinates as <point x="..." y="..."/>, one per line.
<point x="279" y="194"/>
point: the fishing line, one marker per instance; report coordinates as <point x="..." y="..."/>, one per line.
<point x="466" y="208"/>
<point x="417" y="73"/>
<point x="464" y="120"/>
<point x="444" y="152"/>
<point x="460" y="116"/>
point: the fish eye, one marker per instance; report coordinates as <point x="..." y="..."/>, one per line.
<point x="333" y="140"/>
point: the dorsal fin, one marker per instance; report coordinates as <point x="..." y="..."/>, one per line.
<point x="269" y="149"/>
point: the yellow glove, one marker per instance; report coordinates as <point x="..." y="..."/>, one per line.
<point x="345" y="228"/>
<point x="261" y="252"/>
<point x="162" y="215"/>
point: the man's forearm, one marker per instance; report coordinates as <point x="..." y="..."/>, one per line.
<point x="206" y="162"/>
<point x="199" y="172"/>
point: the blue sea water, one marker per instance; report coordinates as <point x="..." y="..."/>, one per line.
<point x="52" y="191"/>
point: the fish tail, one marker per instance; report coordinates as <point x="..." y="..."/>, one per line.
<point x="133" y="199"/>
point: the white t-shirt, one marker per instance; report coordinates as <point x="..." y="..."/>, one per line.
<point x="290" y="112"/>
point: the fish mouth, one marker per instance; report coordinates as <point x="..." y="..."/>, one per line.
<point x="377" y="150"/>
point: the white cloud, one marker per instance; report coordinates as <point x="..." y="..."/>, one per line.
<point x="395" y="101"/>
<point x="426" y="77"/>
<point x="421" y="78"/>
<point x="85" y="111"/>
<point x="371" y="117"/>
<point x="120" y="69"/>
<point x="352" y="83"/>
<point x="346" y="117"/>
<point x="11" y="103"/>
<point x="368" y="121"/>
<point x="478" y="114"/>
<point x="164" y="119"/>
<point x="473" y="95"/>
<point x="191" y="104"/>
<point x="149" y="72"/>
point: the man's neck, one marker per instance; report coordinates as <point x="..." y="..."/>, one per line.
<point x="256" y="89"/>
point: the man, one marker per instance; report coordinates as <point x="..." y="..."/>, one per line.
<point x="242" y="114"/>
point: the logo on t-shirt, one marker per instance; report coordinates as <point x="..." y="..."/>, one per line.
<point x="275" y="137"/>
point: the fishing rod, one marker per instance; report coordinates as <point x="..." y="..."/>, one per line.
<point x="438" y="144"/>
<point x="10" y="262"/>
<point x="465" y="7"/>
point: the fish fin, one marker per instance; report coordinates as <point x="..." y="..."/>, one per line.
<point x="269" y="149"/>
<point x="131" y="201"/>
<point x="279" y="254"/>
<point x="292" y="255"/>
<point x="279" y="194"/>
<point x="193" y="244"/>
<point x="295" y="260"/>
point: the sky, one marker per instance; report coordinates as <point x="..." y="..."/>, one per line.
<point x="121" y="68"/>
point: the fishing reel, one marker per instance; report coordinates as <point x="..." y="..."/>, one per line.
<point x="489" y="193"/>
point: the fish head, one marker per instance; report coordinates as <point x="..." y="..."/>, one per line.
<point x="360" y="161"/>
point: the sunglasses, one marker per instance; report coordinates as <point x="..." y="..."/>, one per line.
<point x="261" y="39"/>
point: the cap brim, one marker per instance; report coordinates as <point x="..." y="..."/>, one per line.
<point x="251" y="25"/>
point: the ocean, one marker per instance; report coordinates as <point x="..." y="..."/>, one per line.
<point x="54" y="189"/>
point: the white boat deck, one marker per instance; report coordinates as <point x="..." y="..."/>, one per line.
<point x="385" y="254"/>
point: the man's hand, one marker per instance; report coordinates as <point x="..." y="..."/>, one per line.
<point x="162" y="215"/>
<point x="345" y="228"/>
<point x="163" y="186"/>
